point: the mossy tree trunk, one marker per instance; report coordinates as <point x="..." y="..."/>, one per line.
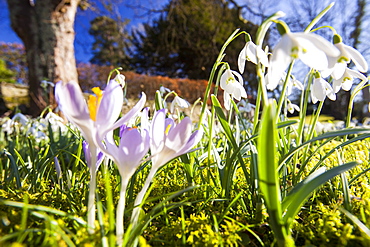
<point x="47" y="30"/>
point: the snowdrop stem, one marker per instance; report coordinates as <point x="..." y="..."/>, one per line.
<point x="213" y="72"/>
<point x="262" y="30"/>
<point x="355" y="91"/>
<point x="257" y="109"/>
<point x="121" y="211"/>
<point x="140" y="197"/>
<point x="283" y="91"/>
<point x="316" y="118"/>
<point x="318" y="17"/>
<point x="303" y="111"/>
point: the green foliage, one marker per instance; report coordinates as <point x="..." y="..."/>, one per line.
<point x="6" y="74"/>
<point x="111" y="42"/>
<point x="185" y="40"/>
<point x="14" y="56"/>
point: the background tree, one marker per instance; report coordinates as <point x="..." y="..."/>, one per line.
<point x="111" y="42"/>
<point x="185" y="40"/>
<point x="47" y="31"/>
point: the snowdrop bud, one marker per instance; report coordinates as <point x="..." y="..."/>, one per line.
<point x="282" y="27"/>
<point x="337" y="39"/>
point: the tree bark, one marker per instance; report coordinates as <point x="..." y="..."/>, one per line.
<point x="47" y="30"/>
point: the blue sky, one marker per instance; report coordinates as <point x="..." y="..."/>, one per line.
<point x="83" y="40"/>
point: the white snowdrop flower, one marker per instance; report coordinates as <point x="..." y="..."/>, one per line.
<point x="346" y="80"/>
<point x="179" y="102"/>
<point x="253" y="53"/>
<point x="120" y="79"/>
<point x="338" y="64"/>
<point x="233" y="88"/>
<point x="292" y="107"/>
<point x="19" y="117"/>
<point x="45" y="84"/>
<point x="320" y="89"/>
<point x="313" y="50"/>
<point x="163" y="90"/>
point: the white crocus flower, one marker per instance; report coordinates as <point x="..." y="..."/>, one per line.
<point x="313" y="50"/>
<point x="252" y="53"/>
<point x="339" y="63"/>
<point x="179" y="102"/>
<point x="321" y="89"/>
<point x="233" y="88"/>
<point x="346" y="80"/>
<point x="292" y="107"/>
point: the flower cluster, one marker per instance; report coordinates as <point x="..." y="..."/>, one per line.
<point x="326" y="60"/>
<point x="99" y="117"/>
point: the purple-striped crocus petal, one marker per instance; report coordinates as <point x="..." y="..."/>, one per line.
<point x="169" y="124"/>
<point x="179" y="135"/>
<point x="193" y="140"/>
<point x="131" y="150"/>
<point x="85" y="148"/>
<point x="110" y="106"/>
<point x="73" y="105"/>
<point x="100" y="135"/>
<point x="122" y="129"/>
<point x="99" y="158"/>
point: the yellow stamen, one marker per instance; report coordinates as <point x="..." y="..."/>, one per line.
<point x="167" y="129"/>
<point x="94" y="102"/>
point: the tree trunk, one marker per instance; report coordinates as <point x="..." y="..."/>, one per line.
<point x="46" y="29"/>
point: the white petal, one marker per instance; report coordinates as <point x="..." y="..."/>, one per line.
<point x="357" y="58"/>
<point x="337" y="85"/>
<point x="262" y="56"/>
<point x="241" y="60"/>
<point x="311" y="55"/>
<point x="347" y="84"/>
<point x="251" y="52"/>
<point x="355" y="74"/>
<point x="339" y="69"/>
<point x="320" y="43"/>
<point x="279" y="61"/>
<point x="318" y="89"/>
<point x="329" y="90"/>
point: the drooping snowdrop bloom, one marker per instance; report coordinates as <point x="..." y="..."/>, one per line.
<point x="338" y="64"/>
<point x="167" y="141"/>
<point x="346" y="80"/>
<point x="253" y="53"/>
<point x="320" y="89"/>
<point x="313" y="50"/>
<point x="233" y="87"/>
<point x="292" y="107"/>
<point x="94" y="119"/>
<point x="121" y="79"/>
<point x="163" y="90"/>
<point x="178" y="102"/>
<point x="22" y="119"/>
